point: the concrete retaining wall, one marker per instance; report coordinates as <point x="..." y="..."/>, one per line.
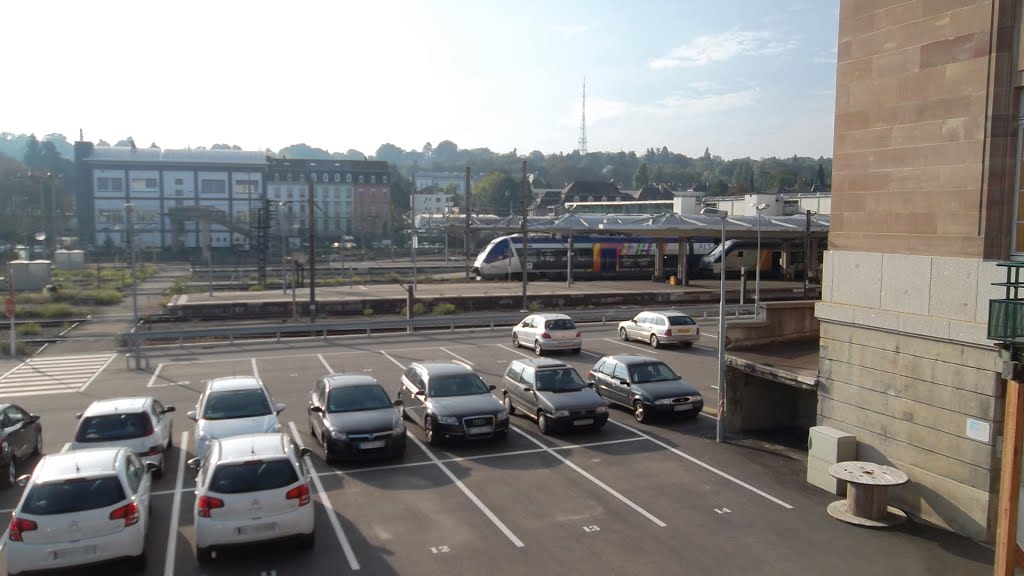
<point x="791" y="321"/>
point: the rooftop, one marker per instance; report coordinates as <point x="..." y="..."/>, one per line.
<point x="76" y="463"/>
<point x="160" y="155"/>
<point x="116" y="405"/>
<point x="234" y="383"/>
<point x="795" y="364"/>
<point x="253" y="445"/>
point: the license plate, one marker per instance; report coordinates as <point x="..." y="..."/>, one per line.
<point x="371" y="445"/>
<point x="681" y="407"/>
<point x="685" y="331"/>
<point x="256" y="529"/>
<point x="478" y="429"/>
<point x="72" y="553"/>
<point x="583" y="422"/>
<point x="478" y="422"/>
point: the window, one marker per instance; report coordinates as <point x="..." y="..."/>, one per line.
<point x="73" y="495"/>
<point x="373" y="179"/>
<point x="109" y="217"/>
<point x="529" y="376"/>
<point x="318" y="392"/>
<point x="513" y="372"/>
<point x="179" y="182"/>
<point x="134" y="473"/>
<point x="362" y="179"/>
<point x="314" y="176"/>
<point x="357" y="398"/>
<point x="236" y="404"/>
<point x="143" y="184"/>
<point x="384" y="179"/>
<point x="348" y="178"/>
<point x="112" y="427"/>
<point x="456" y="385"/>
<point x="14" y="416"/>
<point x="413" y="376"/>
<point x="255" y="476"/>
<point x="325" y="177"/>
<point x="212" y="187"/>
<point x="681" y="321"/>
<point x="620" y="372"/>
<point x="337" y="176"/>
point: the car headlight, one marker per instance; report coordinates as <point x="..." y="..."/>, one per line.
<point x="696" y="398"/>
<point x="338" y="435"/>
<point x="663" y="401"/>
<point x="448" y="420"/>
<point x="601" y="410"/>
<point x="560" y="413"/>
<point x="503" y="415"/>
<point x="203" y="439"/>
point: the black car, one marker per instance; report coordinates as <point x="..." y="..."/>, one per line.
<point x="353" y="417"/>
<point x="554" y="394"/>
<point x="645" y="385"/>
<point x="21" y="436"/>
<point x="449" y="400"/>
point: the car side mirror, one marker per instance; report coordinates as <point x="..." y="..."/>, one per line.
<point x="492" y="387"/>
<point x="151" y="467"/>
<point x="33" y="418"/>
<point x="23" y="480"/>
<point x="78" y="416"/>
<point x="527" y="389"/>
<point x="419" y="393"/>
<point x="317" y="409"/>
<point x="191" y="415"/>
<point x="397" y="402"/>
<point x="304" y="451"/>
<point x="194" y="464"/>
<point x="167" y="409"/>
<point x="278" y="408"/>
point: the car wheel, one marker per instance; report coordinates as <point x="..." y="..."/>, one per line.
<point x="623" y="335"/>
<point x="577" y="350"/>
<point x="537" y="348"/>
<point x="687" y="344"/>
<point x="10" y="476"/>
<point x="501" y="436"/>
<point x="307" y="541"/>
<point x="204" y="555"/>
<point x="405" y="415"/>
<point x="655" y="343"/>
<point x="170" y="439"/>
<point x="428" y="431"/>
<point x="508" y="405"/>
<point x="515" y="340"/>
<point x="159" y="472"/>
<point x="639" y="413"/>
<point x="139" y="562"/>
<point x="543" y="423"/>
<point x="39" y="443"/>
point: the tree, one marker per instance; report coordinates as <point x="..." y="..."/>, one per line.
<point x="642" y="177"/>
<point x="819" y="179"/>
<point x="33" y="152"/>
<point x="445" y="151"/>
<point x="389" y="153"/>
<point x="743" y="175"/>
<point x="707" y="153"/>
<point x="496" y="193"/>
<point x="428" y="149"/>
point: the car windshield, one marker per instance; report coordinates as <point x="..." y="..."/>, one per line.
<point x="559" y="380"/>
<point x="75" y="495"/>
<point x="356" y="398"/>
<point x="561" y="324"/>
<point x="456" y="385"/>
<point x="651" y="372"/>
<point x="236" y="404"/>
<point x="254" y="476"/>
<point x="111" y="427"/>
<point x="681" y="321"/>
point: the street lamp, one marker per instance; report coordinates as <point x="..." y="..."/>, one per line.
<point x="757" y="272"/>
<point x="568" y="273"/>
<point x="129" y="210"/>
<point x="284" y="262"/>
<point x="723" y="214"/>
<point x="807" y="255"/>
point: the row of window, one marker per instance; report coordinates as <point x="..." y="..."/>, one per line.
<point x="327" y="177"/>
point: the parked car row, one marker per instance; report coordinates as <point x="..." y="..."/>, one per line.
<point x="549" y="332"/>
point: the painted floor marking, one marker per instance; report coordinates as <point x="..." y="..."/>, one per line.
<point x="621" y="343"/>
<point x="53" y="375"/>
<point x="514" y="351"/>
<point x="457" y="356"/>
<point x="591" y="477"/>
<point x="704" y="465"/>
<point x="172" y="539"/>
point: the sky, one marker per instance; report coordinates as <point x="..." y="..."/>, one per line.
<point x="741" y="77"/>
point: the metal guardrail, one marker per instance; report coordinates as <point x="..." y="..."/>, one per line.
<point x="324" y="329"/>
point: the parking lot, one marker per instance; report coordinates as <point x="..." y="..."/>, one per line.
<point x="631" y="498"/>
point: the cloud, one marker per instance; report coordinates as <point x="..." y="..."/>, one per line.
<point x="829" y="57"/>
<point x="570" y="30"/>
<point x="707" y="99"/>
<point x="697" y="103"/>
<point x="704" y="50"/>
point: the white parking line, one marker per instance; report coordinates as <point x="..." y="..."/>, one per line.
<point x="703" y="465"/>
<point x="172" y="539"/>
<point x="469" y="494"/>
<point x="156" y="374"/>
<point x="591" y="477"/>
<point x="329" y="509"/>
<point x="388" y="356"/>
<point x="255" y="370"/>
<point x="710" y="335"/>
<point x="102" y="368"/>
<point x="514" y="351"/>
<point x="591" y="354"/>
<point x="457" y="356"/>
<point x="324" y="362"/>
<point x="621" y="343"/>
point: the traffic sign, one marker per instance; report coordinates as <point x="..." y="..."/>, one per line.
<point x="9" y="307"/>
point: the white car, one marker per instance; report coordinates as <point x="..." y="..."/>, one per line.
<point x="232" y="406"/>
<point x="547" y="332"/>
<point x="81" y="507"/>
<point x="251" y="488"/>
<point x="143" y="425"/>
<point x="659" y="328"/>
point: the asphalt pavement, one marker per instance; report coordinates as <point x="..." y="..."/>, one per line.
<point x="659" y="498"/>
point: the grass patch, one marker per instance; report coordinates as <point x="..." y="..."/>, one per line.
<point x="418" y="309"/>
<point x="255" y="288"/>
<point x="367" y="312"/>
<point x="443" y="309"/>
<point x="29" y="329"/>
<point x="534" y="307"/>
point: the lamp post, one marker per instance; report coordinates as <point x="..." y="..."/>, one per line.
<point x="807" y="254"/>
<point x="568" y="272"/>
<point x="757" y="272"/>
<point x="723" y="214"/>
<point x="129" y="210"/>
<point x="280" y="223"/>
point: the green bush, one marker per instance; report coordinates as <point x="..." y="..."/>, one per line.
<point x="179" y="286"/>
<point x="255" y="288"/>
<point x="33" y="298"/>
<point x="367" y="312"/>
<point x="442" y="309"/>
<point x="29" y="329"/>
<point x="534" y="307"/>
<point x="418" y="309"/>
<point x="55" y="311"/>
<point x="95" y="297"/>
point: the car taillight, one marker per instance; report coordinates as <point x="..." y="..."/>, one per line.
<point x="546" y="336"/>
<point x="668" y="332"/>
<point x="129" y="513"/>
<point x="154" y="451"/>
<point x="579" y="334"/>
<point x="300" y="492"/>
<point x="19" y="525"/>
<point x="207" y="503"/>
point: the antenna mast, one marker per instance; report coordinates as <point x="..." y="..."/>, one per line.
<point x="582" y="145"/>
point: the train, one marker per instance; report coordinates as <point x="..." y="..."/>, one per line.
<point x="625" y="257"/>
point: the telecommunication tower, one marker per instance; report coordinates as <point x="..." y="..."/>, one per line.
<point x="582" y="144"/>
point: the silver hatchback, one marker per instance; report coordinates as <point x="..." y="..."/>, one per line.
<point x="547" y="332"/>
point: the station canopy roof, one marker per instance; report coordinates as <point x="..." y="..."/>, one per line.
<point x="656" y="226"/>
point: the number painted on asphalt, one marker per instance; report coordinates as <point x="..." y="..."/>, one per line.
<point x="591" y="528"/>
<point x="440" y="549"/>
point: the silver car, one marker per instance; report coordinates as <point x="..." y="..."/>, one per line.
<point x="232" y="406"/>
<point x="661" y="327"/>
<point x="547" y="332"/>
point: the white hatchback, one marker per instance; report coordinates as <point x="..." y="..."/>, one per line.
<point x="81" y="507"/>
<point x="251" y="488"/>
<point x="143" y="425"/>
<point x="232" y="406"/>
<point x="546" y="332"/>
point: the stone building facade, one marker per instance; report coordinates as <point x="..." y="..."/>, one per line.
<point x="925" y="185"/>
